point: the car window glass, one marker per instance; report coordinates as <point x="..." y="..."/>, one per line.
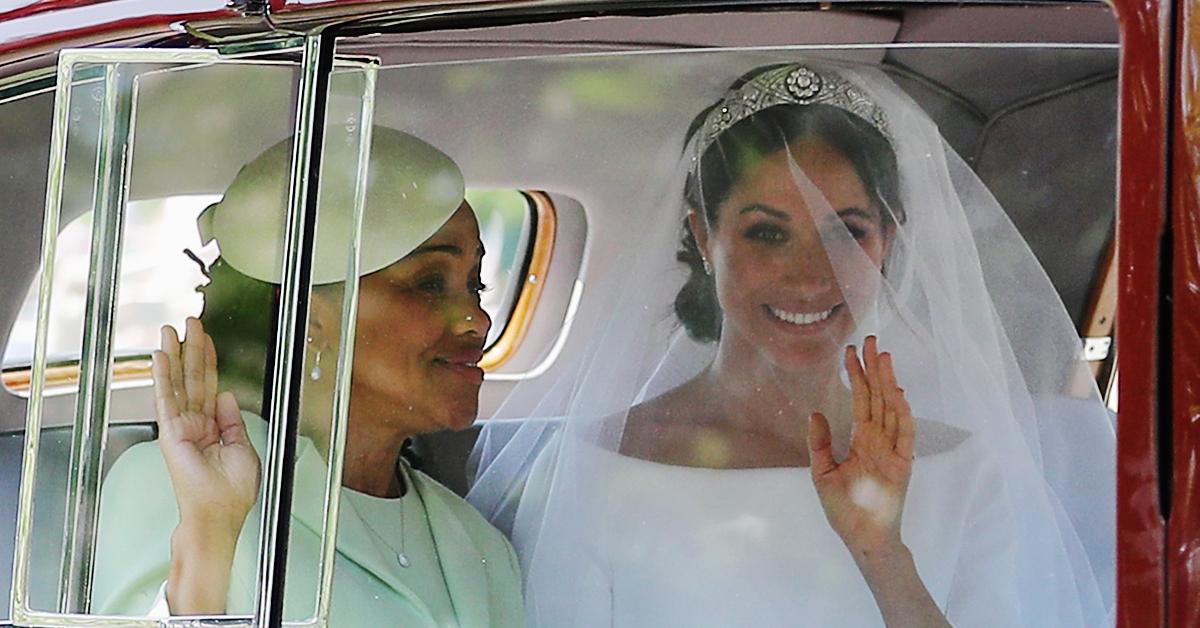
<point x="130" y="182"/>
<point x="626" y="149"/>
<point x="158" y="283"/>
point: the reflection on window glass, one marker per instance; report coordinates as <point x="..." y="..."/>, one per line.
<point x="158" y="282"/>
<point x="505" y="224"/>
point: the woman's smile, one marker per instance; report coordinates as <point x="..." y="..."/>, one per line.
<point x="462" y="363"/>
<point x="806" y="320"/>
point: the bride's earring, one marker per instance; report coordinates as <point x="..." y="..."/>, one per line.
<point x="706" y="265"/>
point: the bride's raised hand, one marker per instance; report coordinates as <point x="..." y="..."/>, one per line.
<point x="213" y="466"/>
<point x="863" y="495"/>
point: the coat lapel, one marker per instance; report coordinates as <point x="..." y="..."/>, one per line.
<point x="354" y="542"/>
<point x="462" y="562"/>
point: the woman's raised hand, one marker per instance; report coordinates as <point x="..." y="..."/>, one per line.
<point x="863" y="495"/>
<point x="212" y="464"/>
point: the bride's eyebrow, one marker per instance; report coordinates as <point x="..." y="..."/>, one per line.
<point x="765" y="209"/>
<point x="855" y="211"/>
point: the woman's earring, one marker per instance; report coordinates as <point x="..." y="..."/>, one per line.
<point x="316" y="371"/>
<point x="707" y="266"/>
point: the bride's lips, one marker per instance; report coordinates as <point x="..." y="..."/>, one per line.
<point x="464" y="363"/>
<point x="808" y="320"/>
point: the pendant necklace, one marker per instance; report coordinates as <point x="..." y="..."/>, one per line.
<point x="400" y="554"/>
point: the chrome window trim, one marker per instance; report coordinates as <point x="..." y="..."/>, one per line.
<point x="96" y="360"/>
<point x="316" y="67"/>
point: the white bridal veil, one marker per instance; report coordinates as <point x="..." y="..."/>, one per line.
<point x="1010" y="511"/>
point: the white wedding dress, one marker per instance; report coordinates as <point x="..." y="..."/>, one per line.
<point x="673" y="546"/>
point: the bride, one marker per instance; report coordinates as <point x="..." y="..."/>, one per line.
<point x="860" y="421"/>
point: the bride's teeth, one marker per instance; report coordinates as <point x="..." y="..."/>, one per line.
<point x="800" y="318"/>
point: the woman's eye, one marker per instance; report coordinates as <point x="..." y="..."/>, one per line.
<point x="433" y="285"/>
<point x="767" y="233"/>
<point x="477" y="286"/>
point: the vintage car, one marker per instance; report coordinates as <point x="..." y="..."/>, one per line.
<point x="121" y="121"/>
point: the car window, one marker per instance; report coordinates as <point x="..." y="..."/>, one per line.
<point x="170" y="269"/>
<point x="653" y="337"/>
<point x="120" y="229"/>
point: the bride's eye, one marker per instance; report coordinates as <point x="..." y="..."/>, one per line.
<point x="767" y="233"/>
<point x="855" y="230"/>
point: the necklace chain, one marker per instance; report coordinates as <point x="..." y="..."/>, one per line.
<point x="400" y="554"/>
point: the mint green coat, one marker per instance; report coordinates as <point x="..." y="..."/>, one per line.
<point x="139" y="512"/>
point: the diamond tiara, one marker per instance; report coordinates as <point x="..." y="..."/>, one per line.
<point x="788" y="85"/>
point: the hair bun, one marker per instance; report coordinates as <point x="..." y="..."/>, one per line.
<point x="696" y="305"/>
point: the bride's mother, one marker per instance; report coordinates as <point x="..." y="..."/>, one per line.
<point x="179" y="520"/>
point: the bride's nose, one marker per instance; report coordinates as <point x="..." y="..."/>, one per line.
<point x="809" y="271"/>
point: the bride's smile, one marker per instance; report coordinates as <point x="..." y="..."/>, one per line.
<point x="806" y="322"/>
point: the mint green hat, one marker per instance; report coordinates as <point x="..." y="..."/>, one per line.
<point x="412" y="189"/>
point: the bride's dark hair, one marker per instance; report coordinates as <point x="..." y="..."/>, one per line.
<point x="739" y="150"/>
